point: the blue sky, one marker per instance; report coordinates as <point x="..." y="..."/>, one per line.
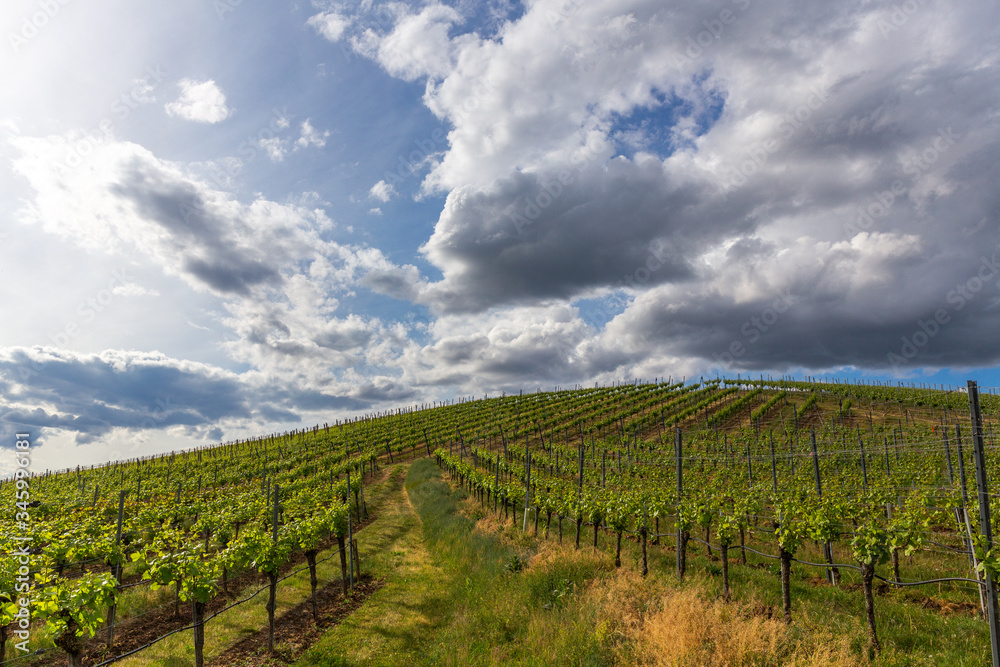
<point x="225" y="218"/>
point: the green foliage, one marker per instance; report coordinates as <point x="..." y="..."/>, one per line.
<point x="256" y="549"/>
<point x="793" y="523"/>
<point x="871" y="543"/>
<point x="988" y="559"/>
<point x="727" y="527"/>
<point x="515" y="564"/>
<point x="825" y="521"/>
<point x="909" y="527"/>
<point x="83" y="600"/>
<point x="187" y="539"/>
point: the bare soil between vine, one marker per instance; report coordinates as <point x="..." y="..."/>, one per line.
<point x="295" y="631"/>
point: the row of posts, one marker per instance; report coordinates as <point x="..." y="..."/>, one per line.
<point x="991" y="604"/>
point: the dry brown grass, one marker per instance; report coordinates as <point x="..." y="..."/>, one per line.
<point x="489" y="523"/>
<point x="654" y="622"/>
<point x="682" y="627"/>
<point x="550" y="556"/>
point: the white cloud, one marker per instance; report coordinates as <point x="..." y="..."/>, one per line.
<point x="133" y="289"/>
<point x="275" y="147"/>
<point x="330" y="24"/>
<point x="115" y="400"/>
<point x="603" y="145"/>
<point x="626" y="192"/>
<point x="268" y="262"/>
<point x="508" y="348"/>
<point x="418" y="44"/>
<point x="382" y="191"/>
<point x="200" y="101"/>
<point x="310" y="137"/>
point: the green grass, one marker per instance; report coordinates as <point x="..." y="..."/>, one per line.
<point x="455" y="596"/>
<point x="398" y="623"/>
<point x="451" y="600"/>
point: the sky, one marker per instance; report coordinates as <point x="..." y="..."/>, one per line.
<point x="221" y="218"/>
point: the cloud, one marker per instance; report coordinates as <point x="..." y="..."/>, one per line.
<point x="127" y="200"/>
<point x="382" y="191"/>
<point x="417" y="46"/>
<point x="275" y="147"/>
<point x="310" y="137"/>
<point x="823" y="305"/>
<point x="200" y="101"/>
<point x="504" y="349"/>
<point x="133" y="289"/>
<point x="278" y="279"/>
<point x="330" y="25"/>
<point x="653" y="150"/>
<point x="93" y="393"/>
<point x="540" y="235"/>
<point x="629" y="189"/>
<point x="116" y="400"/>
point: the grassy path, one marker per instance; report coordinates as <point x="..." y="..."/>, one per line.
<point x="398" y="623"/>
<point x="454" y="595"/>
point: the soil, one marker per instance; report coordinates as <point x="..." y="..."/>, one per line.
<point x="295" y="631"/>
<point x="134" y="633"/>
<point x="760" y="610"/>
<point x="880" y="589"/>
<point x="947" y="607"/>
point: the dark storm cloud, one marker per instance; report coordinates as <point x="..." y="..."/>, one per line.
<point x="872" y="206"/>
<point x="913" y="307"/>
<point x="90" y="395"/>
<point x="534" y="236"/>
<point x="210" y="252"/>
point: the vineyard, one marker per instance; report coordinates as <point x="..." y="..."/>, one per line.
<point x="867" y="486"/>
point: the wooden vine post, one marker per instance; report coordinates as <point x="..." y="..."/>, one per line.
<point x="678" y="449"/>
<point x="986" y="529"/>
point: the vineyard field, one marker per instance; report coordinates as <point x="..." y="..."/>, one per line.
<point x="788" y="493"/>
